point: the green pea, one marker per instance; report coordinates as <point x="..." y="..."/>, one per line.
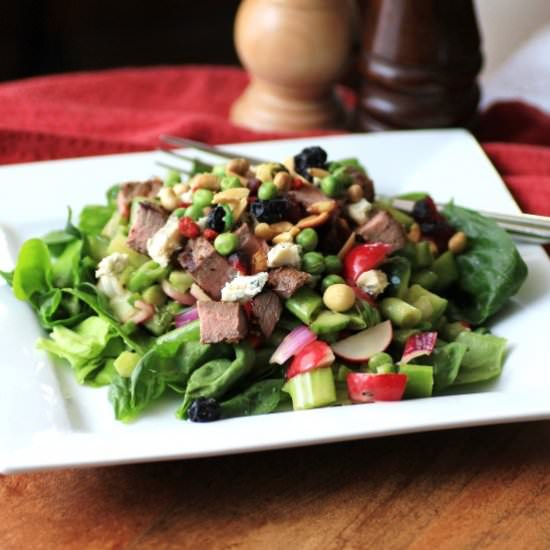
<point x="313" y="262"/>
<point x="378" y="360"/>
<point x="154" y="295"/>
<point x="308" y="239"/>
<point x="230" y="182"/>
<point x="332" y="186"/>
<point x="342" y="176"/>
<point x="226" y="243"/>
<point x="219" y="170"/>
<point x="172" y="178"/>
<point x="180" y="280"/>
<point x="179" y="212"/>
<point x="333" y="264"/>
<point x="330" y="280"/>
<point x="267" y="191"/>
<point x="202" y="197"/>
<point x="228" y="219"/>
<point x="194" y="211"/>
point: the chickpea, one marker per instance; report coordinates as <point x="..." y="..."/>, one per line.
<point x="458" y="242"/>
<point x="355" y="192"/>
<point x="339" y="297"/>
<point x="238" y="166"/>
<point x="181" y="188"/>
<point x="168" y="199"/>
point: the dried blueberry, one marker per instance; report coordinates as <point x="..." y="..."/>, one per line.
<point x="310" y="157"/>
<point x="269" y="211"/>
<point x="216" y="220"/>
<point x="204" y="409"/>
<point x="425" y="210"/>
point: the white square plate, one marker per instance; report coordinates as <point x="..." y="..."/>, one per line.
<point x="47" y="420"/>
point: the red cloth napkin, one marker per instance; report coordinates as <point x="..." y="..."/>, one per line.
<point x="127" y="109"/>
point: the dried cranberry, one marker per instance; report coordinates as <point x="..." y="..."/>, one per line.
<point x="204" y="409"/>
<point x="269" y="211"/>
<point x="310" y="157"/>
<point x="253" y="185"/>
<point x="215" y="219"/>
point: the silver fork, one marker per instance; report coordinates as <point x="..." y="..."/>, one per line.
<point x="527" y="228"/>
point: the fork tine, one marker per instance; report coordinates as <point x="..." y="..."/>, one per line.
<point x="183" y="142"/>
<point x="172" y="167"/>
<point x="177" y="155"/>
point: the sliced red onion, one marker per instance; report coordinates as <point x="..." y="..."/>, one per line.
<point x="185" y="317"/>
<point x="184" y="298"/>
<point x="293" y="342"/>
<point x="419" y="344"/>
<point x="144" y="312"/>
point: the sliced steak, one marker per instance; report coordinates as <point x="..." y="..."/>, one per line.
<point x="221" y="322"/>
<point x="383" y="228"/>
<point x="130" y="190"/>
<point x="364" y="181"/>
<point x="208" y="269"/>
<point x="307" y="195"/>
<point x="252" y="251"/>
<point x="267" y="308"/>
<point x="148" y="219"/>
<point x="285" y="281"/>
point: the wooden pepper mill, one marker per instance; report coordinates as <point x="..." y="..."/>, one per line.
<point x="419" y="65"/>
<point x="294" y="50"/>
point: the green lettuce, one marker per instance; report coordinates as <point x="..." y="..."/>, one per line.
<point x="86" y="347"/>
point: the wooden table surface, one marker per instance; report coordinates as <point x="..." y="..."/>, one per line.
<point x="473" y="488"/>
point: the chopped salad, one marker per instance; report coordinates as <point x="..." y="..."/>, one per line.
<point x="253" y="289"/>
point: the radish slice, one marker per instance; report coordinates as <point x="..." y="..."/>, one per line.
<point x="365" y="387"/>
<point x="316" y="355"/>
<point x="185" y="317"/>
<point x="293" y="342"/>
<point x="363" y="345"/>
<point x="418" y="345"/>
<point x="183" y="298"/>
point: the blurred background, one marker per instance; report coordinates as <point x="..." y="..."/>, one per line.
<point x="51" y="36"/>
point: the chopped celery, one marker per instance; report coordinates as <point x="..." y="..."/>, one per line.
<point x="420" y="380"/>
<point x="424" y="254"/>
<point x="312" y="389"/>
<point x="431" y="305"/>
<point x="425" y="278"/>
<point x="305" y="304"/>
<point x="146" y="275"/>
<point x="400" y="313"/>
<point x="126" y="362"/>
<point x="446" y="270"/>
<point x="329" y="322"/>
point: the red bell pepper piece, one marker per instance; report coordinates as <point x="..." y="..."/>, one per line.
<point x="364" y="257"/>
<point x="315" y="355"/>
<point x="366" y="387"/>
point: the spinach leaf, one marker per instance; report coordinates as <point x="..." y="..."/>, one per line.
<point x="446" y="362"/>
<point x="216" y="377"/>
<point x="33" y="271"/>
<point x="121" y="398"/>
<point x="261" y="398"/>
<point x="483" y="358"/>
<point x="491" y="269"/>
<point x="93" y="218"/>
